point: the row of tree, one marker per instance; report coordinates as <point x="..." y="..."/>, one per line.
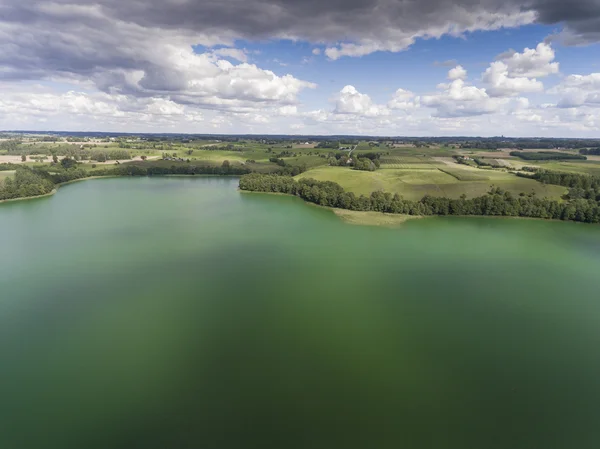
<point x="590" y="151"/>
<point x="565" y="179"/>
<point x="546" y="156"/>
<point x="497" y="202"/>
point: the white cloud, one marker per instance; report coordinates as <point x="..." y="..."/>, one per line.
<point x="288" y="110"/>
<point x="351" y="101"/>
<point x="578" y="90"/>
<point x="403" y="100"/>
<point x="459" y="99"/>
<point x="316" y="51"/>
<point x="532" y="63"/>
<point x="502" y="85"/>
<point x="457" y="73"/>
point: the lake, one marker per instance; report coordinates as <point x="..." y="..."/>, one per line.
<point x="180" y="313"/>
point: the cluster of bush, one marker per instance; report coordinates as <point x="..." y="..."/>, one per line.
<point x="366" y="162"/>
<point x="487" y="163"/>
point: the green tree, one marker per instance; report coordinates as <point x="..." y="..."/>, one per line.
<point x="67" y="163"/>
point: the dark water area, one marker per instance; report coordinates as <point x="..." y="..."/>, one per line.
<point x="180" y="313"/>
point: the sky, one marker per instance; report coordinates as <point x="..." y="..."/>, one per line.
<point x="315" y="67"/>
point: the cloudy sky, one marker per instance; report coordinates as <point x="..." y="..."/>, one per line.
<point x="384" y="67"/>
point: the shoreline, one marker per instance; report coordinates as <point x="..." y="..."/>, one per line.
<point x="57" y="186"/>
<point x="384" y="219"/>
<point x="62" y="184"/>
<point x="360" y="218"/>
<point x="356" y="217"/>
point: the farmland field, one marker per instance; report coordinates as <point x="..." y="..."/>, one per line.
<point x="410" y="170"/>
<point x="414" y="184"/>
<point x="581" y="168"/>
<point x="406" y="162"/>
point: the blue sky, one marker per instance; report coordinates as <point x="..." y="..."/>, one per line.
<point x="304" y="68"/>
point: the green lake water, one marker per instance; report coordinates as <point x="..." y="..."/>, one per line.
<point x="177" y="313"/>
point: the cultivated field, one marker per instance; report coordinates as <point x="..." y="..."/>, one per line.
<point x="582" y="168"/>
<point x="406" y="162"/>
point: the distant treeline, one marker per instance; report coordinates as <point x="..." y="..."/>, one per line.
<point x="496" y="203"/>
<point x="28" y="182"/>
<point x="590" y="151"/>
<point x="546" y="156"/>
<point x="567" y="179"/>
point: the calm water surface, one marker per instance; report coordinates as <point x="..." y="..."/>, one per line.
<point x="179" y="313"/>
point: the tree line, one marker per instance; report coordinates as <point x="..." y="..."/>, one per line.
<point x="496" y="203"/>
<point x="590" y="151"/>
<point x="35" y="181"/>
<point x="547" y="156"/>
<point x="580" y="186"/>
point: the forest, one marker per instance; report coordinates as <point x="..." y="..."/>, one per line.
<point x="496" y="203"/>
<point x="25" y="183"/>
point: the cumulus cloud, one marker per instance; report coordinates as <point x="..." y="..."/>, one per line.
<point x="502" y="85"/>
<point x="458" y="99"/>
<point x="578" y="90"/>
<point x="457" y="73"/>
<point x="403" y="100"/>
<point x="532" y="63"/>
<point x="351" y="101"/>
<point x="84" y="43"/>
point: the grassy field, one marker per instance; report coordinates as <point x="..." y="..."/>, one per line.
<point x="406" y="162"/>
<point x="309" y="161"/>
<point x="581" y="168"/>
<point x="413" y="184"/>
